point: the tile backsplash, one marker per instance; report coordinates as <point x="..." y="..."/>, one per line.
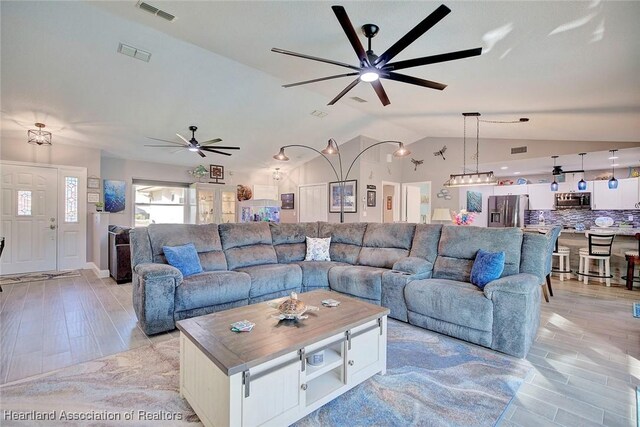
<point x="570" y="217"/>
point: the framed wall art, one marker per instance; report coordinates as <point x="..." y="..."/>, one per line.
<point x="371" y="198"/>
<point x="288" y="200"/>
<point x="114" y="195"/>
<point x="93" y="182"/>
<point x="93" y="197"/>
<point x="350" y="196"/>
<point x="216" y="172"/>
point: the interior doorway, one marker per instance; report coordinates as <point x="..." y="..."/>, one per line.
<point x="416" y="202"/>
<point x="44" y="220"/>
<point x="390" y="201"/>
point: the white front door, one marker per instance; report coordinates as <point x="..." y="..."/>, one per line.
<point x="313" y="204"/>
<point x="29" y="218"/>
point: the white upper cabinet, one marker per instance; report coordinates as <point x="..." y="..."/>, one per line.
<point x="629" y="193"/>
<point x="604" y="198"/>
<point x="541" y="197"/>
<point x="507" y="190"/>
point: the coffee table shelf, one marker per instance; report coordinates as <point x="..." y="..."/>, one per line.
<point x="332" y="359"/>
<point x="323" y="386"/>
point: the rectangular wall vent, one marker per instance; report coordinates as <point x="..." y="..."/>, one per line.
<point x="518" y="150"/>
<point x="358" y="99"/>
<point x="155" y="11"/>
<point x="319" y="114"/>
<point x="133" y="52"/>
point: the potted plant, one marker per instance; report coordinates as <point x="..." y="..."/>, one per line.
<point x="99" y="206"/>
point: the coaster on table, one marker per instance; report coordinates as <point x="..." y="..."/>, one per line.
<point x="330" y="303"/>
<point x="243" y="326"/>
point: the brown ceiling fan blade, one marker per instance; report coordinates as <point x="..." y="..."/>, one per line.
<point x="158" y="145"/>
<point x="415" y="81"/>
<point x="433" y="59"/>
<point x="314" y="58"/>
<point x="165" y="140"/>
<point x="211" y="141"/>
<point x="201" y="154"/>
<point x="219" y="148"/>
<point x="413" y="35"/>
<point x="344" y="91"/>
<point x="337" y="76"/>
<point x="347" y="26"/>
<point x="377" y="86"/>
<point x="213" y="150"/>
<point x="183" y="138"/>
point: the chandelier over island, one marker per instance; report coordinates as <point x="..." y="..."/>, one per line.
<point x="333" y="149"/>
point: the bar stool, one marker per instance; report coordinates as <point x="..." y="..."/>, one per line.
<point x="552" y="242"/>
<point x="564" y="266"/>
<point x="599" y="250"/>
<point x="633" y="258"/>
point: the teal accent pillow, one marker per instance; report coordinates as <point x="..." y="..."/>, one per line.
<point x="184" y="258"/>
<point x="487" y="267"/>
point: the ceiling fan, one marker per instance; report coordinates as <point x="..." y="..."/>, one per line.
<point x="372" y="67"/>
<point x="193" y="144"/>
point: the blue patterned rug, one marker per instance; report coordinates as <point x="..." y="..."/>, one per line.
<point x="636" y="309"/>
<point x="431" y="380"/>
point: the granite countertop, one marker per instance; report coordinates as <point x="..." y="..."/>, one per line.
<point x="619" y="231"/>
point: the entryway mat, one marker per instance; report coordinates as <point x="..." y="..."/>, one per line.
<point x="11" y="279"/>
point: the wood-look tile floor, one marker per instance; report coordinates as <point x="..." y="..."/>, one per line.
<point x="586" y="357"/>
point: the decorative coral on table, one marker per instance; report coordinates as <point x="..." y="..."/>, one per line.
<point x="463" y="217"/>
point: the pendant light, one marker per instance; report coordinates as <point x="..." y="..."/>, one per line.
<point x="613" y="182"/>
<point x="554" y="184"/>
<point x="39" y="136"/>
<point x="582" y="184"/>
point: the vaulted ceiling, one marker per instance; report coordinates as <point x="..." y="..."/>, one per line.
<point x="573" y="68"/>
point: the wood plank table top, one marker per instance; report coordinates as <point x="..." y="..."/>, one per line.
<point x="235" y="352"/>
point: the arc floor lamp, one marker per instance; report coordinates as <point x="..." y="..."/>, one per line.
<point x="333" y="149"/>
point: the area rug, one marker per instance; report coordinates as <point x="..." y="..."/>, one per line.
<point x="36" y="277"/>
<point x="636" y="310"/>
<point x="431" y="380"/>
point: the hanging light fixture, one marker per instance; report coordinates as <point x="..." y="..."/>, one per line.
<point x="554" y="184"/>
<point x="276" y="175"/>
<point x="613" y="182"/>
<point x="39" y="136"/>
<point x="582" y="184"/>
<point x="472" y="178"/>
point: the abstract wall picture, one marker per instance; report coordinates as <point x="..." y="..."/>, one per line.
<point x="474" y="201"/>
<point x="288" y="200"/>
<point x="371" y="198"/>
<point x="114" y="196"/>
<point x="216" y="172"/>
<point x="350" y="196"/>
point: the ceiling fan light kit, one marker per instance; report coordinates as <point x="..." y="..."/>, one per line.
<point x="372" y="67"/>
<point x="39" y="136"/>
<point x="193" y="145"/>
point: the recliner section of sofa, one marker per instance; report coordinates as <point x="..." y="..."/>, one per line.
<point x="420" y="272"/>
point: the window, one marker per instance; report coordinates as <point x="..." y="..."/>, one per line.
<point x="159" y="202"/>
<point x="70" y="199"/>
<point x="24" y="203"/>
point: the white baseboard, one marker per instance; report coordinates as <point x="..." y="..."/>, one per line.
<point x="102" y="274"/>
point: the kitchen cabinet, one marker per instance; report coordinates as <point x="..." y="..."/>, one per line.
<point x="629" y="193"/>
<point x="541" y="197"/>
<point x="508" y="190"/>
<point x="604" y="198"/>
<point x="572" y="187"/>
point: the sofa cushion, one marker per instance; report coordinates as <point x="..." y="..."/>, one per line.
<point x="272" y="278"/>
<point x="289" y="240"/>
<point x="360" y="281"/>
<point x="384" y="244"/>
<point x="459" y="303"/>
<point x="425" y="242"/>
<point x="318" y="249"/>
<point x="245" y="245"/>
<point x="184" y="258"/>
<point x="211" y="288"/>
<point x="315" y="274"/>
<point x="205" y="238"/>
<point x="346" y="240"/>
<point x="487" y="266"/>
<point x="459" y="244"/>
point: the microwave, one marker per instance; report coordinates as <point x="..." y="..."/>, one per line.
<point x="573" y="200"/>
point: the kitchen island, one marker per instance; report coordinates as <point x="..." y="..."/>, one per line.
<point x="573" y="239"/>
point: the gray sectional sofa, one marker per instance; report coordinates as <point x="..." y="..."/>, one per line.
<point x="420" y="272"/>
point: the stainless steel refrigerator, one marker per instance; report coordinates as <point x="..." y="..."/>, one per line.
<point x="507" y="211"/>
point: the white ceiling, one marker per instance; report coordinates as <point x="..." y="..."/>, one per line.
<point x="572" y="67"/>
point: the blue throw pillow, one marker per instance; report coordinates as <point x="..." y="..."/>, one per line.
<point x="487" y="267"/>
<point x="184" y="258"/>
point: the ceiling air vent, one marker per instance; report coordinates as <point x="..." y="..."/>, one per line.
<point x="319" y="114"/>
<point x="134" y="52"/>
<point x="358" y="99"/>
<point x="154" y="10"/>
<point x="518" y="150"/>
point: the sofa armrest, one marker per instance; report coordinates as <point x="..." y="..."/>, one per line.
<point x="516" y="312"/>
<point x="523" y="283"/>
<point x="154" y="289"/>
<point x="413" y="265"/>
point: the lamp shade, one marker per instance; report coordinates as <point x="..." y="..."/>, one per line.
<point x="441" y="214"/>
<point x="554" y="185"/>
<point x="613" y="183"/>
<point x="332" y="147"/>
<point x="401" y="151"/>
<point x="281" y="155"/>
